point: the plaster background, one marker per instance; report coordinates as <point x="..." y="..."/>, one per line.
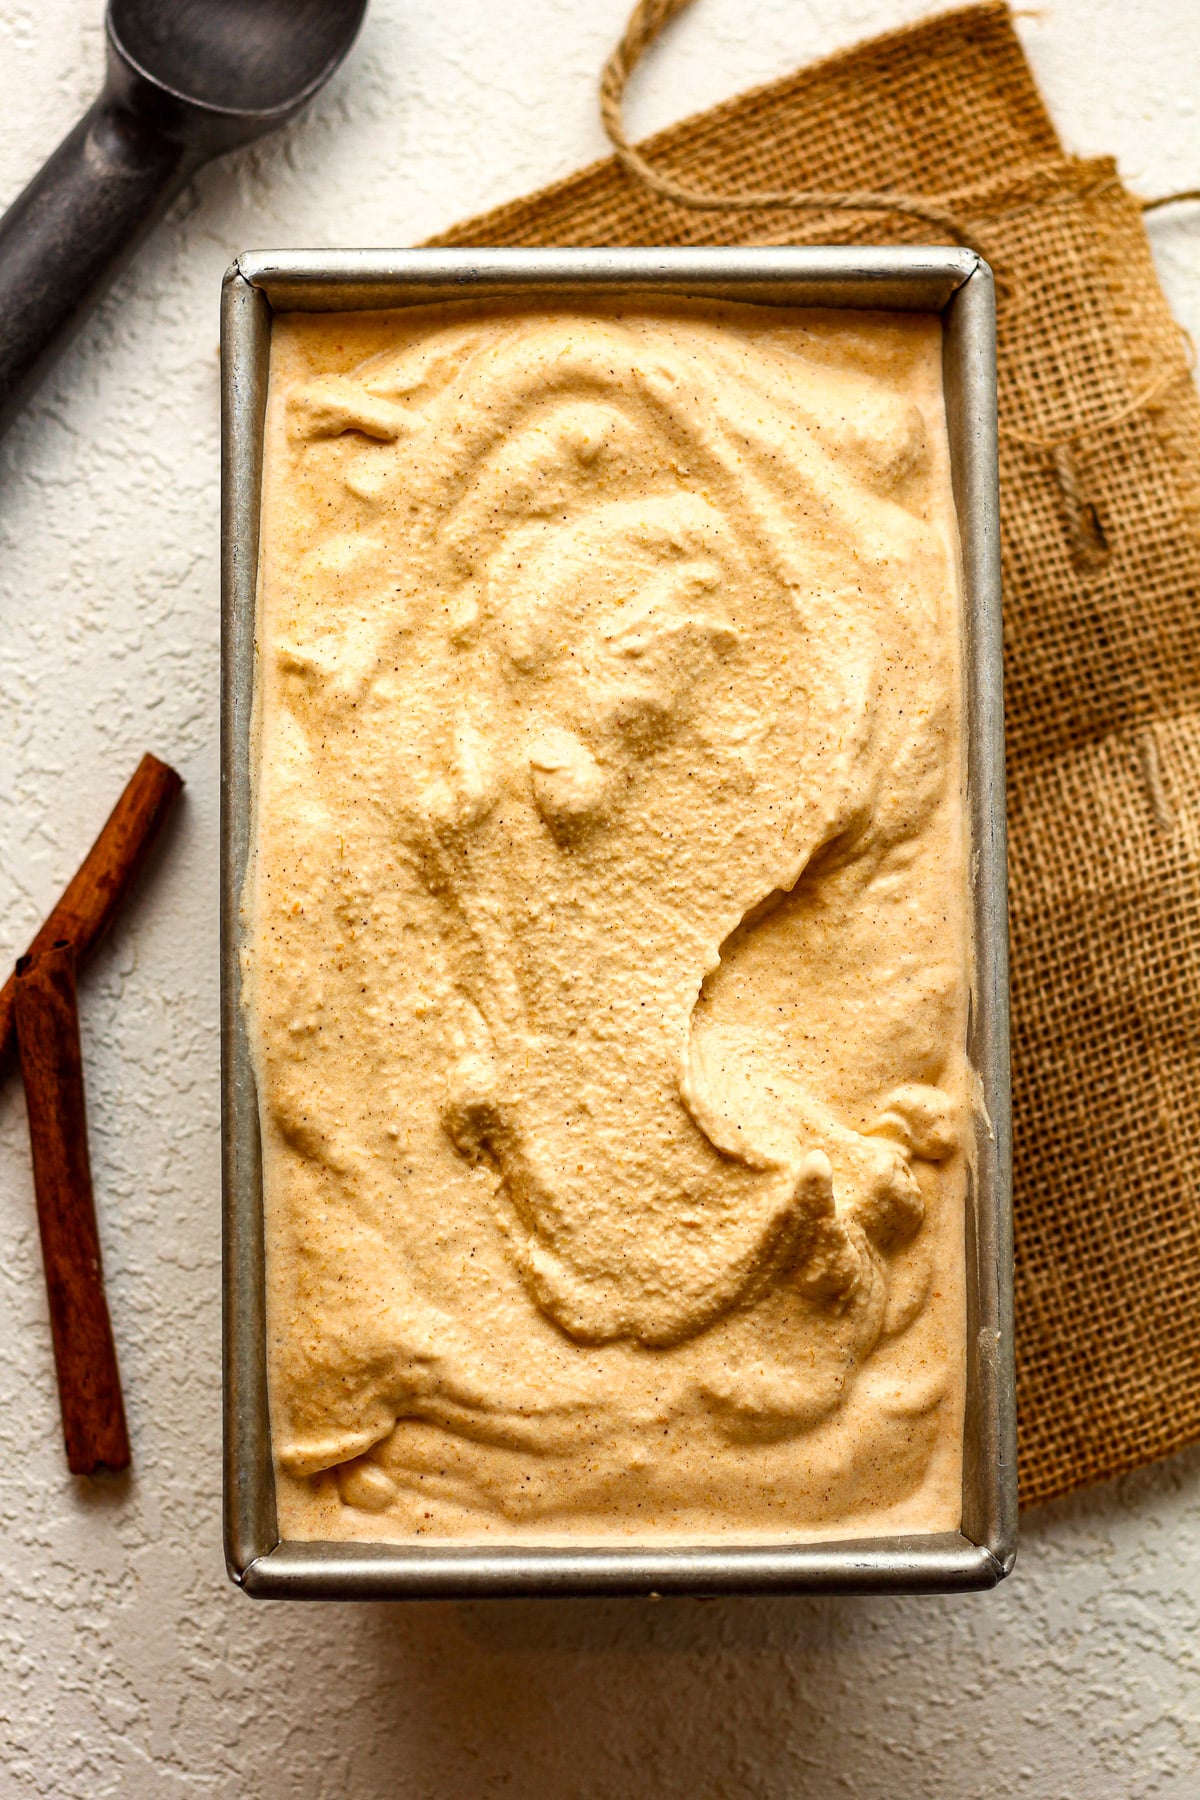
<point x="130" y="1666"/>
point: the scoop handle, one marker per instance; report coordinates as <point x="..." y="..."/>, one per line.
<point x="66" y="236"/>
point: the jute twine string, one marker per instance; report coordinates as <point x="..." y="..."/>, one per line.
<point x="646" y="21"/>
<point x="649" y="18"/>
<point x="1170" y="199"/>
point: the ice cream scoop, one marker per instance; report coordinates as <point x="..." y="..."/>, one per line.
<point x="185" y="82"/>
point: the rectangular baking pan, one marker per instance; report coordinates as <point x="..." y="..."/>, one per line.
<point x="952" y="282"/>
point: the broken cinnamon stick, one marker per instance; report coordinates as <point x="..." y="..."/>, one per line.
<point x="93" y="896"/>
<point x="89" y="1386"/>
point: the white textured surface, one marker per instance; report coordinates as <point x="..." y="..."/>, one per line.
<point x="130" y="1667"/>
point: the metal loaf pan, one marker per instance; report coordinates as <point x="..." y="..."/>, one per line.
<point x="952" y="282"/>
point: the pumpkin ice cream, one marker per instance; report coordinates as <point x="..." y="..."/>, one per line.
<point x="607" y="956"/>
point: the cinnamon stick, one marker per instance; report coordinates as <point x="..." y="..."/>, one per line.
<point x="93" y="896"/>
<point x="89" y="1386"/>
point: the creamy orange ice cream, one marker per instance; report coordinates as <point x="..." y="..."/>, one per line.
<point x="607" y="954"/>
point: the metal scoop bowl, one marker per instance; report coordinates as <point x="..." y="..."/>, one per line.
<point x="186" y="81"/>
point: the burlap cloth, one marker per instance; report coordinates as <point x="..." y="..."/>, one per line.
<point x="1100" y="485"/>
